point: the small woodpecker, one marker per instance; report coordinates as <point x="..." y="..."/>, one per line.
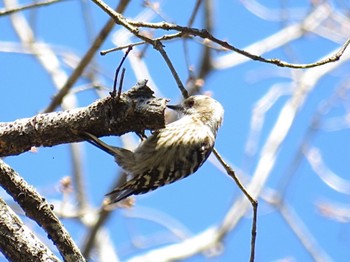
<point x="171" y="153"/>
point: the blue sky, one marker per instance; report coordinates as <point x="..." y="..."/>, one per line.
<point x="202" y="200"/>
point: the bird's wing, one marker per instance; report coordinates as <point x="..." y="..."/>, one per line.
<point x="166" y="165"/>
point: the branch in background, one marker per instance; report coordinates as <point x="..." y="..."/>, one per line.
<point x="39" y="210"/>
<point x="7" y="11"/>
<point x="86" y="59"/>
<point x="121" y="20"/>
<point x="253" y="202"/>
<point x="135" y="111"/>
<point x="134" y="27"/>
<point x="159" y="46"/>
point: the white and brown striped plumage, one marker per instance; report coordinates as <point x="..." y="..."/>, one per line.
<point x="171" y="153"/>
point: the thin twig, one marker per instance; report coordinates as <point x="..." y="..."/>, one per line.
<point x="114" y="92"/>
<point x="194" y="13"/>
<point x="162" y="38"/>
<point x="102" y="35"/>
<point x="205" y="64"/>
<point x="191" y="76"/>
<point x="29" y="6"/>
<point x="121" y="83"/>
<point x="203" y="33"/>
<point x="301" y="231"/>
<point x="121" y="20"/>
<point x="90" y="239"/>
<point x="78" y="178"/>
<point x="254" y="202"/>
<point x="104" y="52"/>
<point x="159" y="46"/>
<point x="104" y="214"/>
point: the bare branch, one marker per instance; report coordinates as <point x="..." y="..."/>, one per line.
<point x="38" y="209"/>
<point x="135" y="111"/>
<point x="254" y="202"/>
<point x="101" y="37"/>
<point x="159" y="46"/>
<point x="17" y="242"/>
<point x="119" y="19"/>
<point x="7" y="11"/>
<point x="203" y="33"/>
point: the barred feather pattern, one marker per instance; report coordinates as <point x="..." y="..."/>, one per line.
<point x="171" y="153"/>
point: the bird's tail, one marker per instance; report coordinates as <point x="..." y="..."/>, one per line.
<point x="122" y="156"/>
<point x="99" y="143"/>
<point x="117" y="195"/>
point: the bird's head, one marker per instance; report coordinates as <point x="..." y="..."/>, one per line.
<point x="204" y="108"/>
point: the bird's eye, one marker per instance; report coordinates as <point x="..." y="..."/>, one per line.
<point x="190" y="103"/>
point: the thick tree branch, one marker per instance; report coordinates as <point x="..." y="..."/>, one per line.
<point x="135" y="111"/>
<point x="38" y="209"/>
<point x="17" y="242"/>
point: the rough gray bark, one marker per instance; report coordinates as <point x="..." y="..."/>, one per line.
<point x="17" y="242"/>
<point x="38" y="209"/>
<point x="135" y="111"/>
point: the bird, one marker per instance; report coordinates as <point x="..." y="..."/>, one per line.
<point x="168" y="154"/>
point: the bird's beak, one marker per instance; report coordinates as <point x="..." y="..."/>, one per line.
<point x="176" y="107"/>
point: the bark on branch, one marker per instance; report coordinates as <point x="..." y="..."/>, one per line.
<point x="18" y="242"/>
<point x="38" y="209"/>
<point x="135" y="111"/>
